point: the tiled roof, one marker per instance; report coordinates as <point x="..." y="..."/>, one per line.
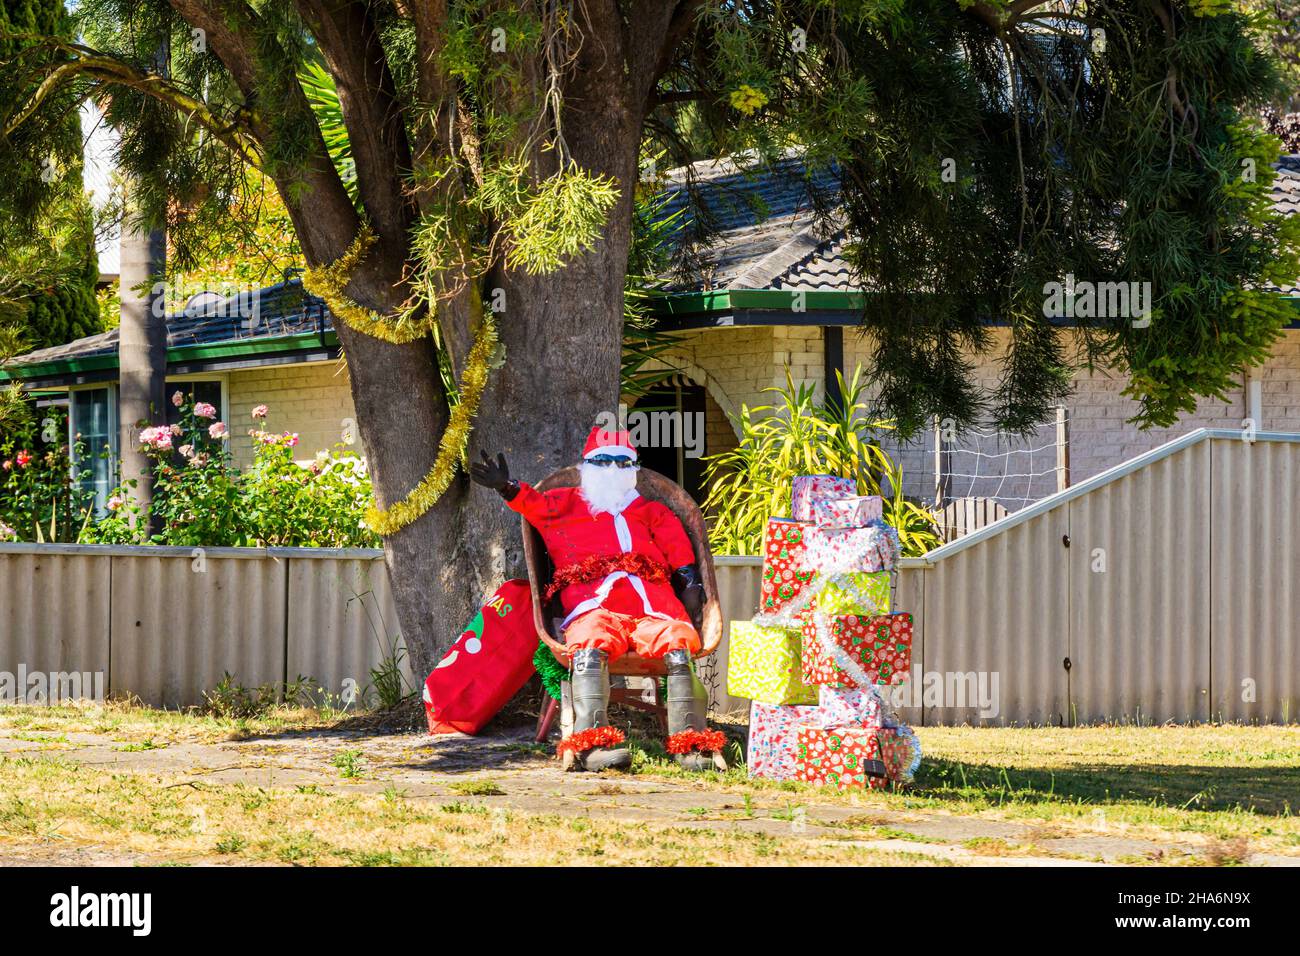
<point x="747" y="228"/>
<point x="786" y="250"/>
<point x="1286" y="196"/>
<point x="281" y="309"/>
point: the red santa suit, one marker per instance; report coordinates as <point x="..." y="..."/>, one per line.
<point x="614" y="609"/>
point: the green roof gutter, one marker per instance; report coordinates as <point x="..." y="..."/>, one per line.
<point x="682" y="311"/>
<point x="249" y="348"/>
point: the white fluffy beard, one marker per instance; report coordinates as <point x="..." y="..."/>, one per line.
<point x="605" y="489"/>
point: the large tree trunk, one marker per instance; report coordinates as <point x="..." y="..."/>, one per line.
<point x="561" y="334"/>
<point x="562" y="340"/>
<point x="142" y="354"/>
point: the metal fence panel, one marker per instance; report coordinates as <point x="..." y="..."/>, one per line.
<point x="342" y="623"/>
<point x="1139" y="573"/>
<point x="995" y="617"/>
<point x="181" y="619"/>
<point x="54" y="618"/>
<point x="909" y="595"/>
<point x="1255" y="581"/>
<point x="738" y="590"/>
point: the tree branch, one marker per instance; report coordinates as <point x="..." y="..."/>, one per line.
<point x="349" y="39"/>
<point x="328" y="229"/>
<point x="106" y="69"/>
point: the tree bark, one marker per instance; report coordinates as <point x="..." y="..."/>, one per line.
<point x="562" y="339"/>
<point x="142" y="354"/>
<point x="561" y="336"/>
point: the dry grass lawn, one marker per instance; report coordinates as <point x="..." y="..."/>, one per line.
<point x="1227" y="791"/>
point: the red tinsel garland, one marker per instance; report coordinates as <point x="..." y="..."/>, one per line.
<point x="585" y="740"/>
<point x="597" y="567"/>
<point x="685" y="741"/>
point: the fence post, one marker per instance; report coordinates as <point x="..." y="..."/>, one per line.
<point x="940" y="473"/>
<point x="1062" y="449"/>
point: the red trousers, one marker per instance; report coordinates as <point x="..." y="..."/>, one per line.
<point x="616" y="634"/>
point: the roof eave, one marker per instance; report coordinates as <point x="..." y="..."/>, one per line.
<point x="78" y="370"/>
<point x="727" y="308"/>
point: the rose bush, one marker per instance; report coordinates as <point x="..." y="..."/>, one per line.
<point x="41" y="497"/>
<point x="201" y="497"/>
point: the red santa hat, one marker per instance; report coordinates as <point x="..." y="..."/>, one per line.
<point x="601" y="441"/>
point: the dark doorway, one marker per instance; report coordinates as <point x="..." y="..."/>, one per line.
<point x="676" y="458"/>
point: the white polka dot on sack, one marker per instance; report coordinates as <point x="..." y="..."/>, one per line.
<point x="473" y="645"/>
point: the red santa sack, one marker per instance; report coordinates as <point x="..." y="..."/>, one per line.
<point x="486" y="666"/>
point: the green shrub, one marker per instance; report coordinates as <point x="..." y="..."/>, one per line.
<point x="202" y="499"/>
<point x="798" y="436"/>
<point x="41" y="498"/>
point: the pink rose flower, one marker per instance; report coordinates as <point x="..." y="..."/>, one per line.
<point x="260" y="411"/>
<point x="218" y="430"/>
<point x="178" y="399"/>
<point x="204" y="410"/>
<point x="159" y="438"/>
<point x="23" y="458"/>
<point x="291" y="441"/>
<point x="6" y="532"/>
<point x="8" y="464"/>
<point x="176" y="430"/>
<point x="116" y="502"/>
<point x="187" y="450"/>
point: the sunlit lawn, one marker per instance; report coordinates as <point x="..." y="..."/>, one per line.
<point x="1204" y="785"/>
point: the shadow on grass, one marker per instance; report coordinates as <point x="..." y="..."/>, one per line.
<point x="1262" y="790"/>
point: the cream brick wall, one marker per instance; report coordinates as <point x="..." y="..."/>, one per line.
<point x="736" y="364"/>
<point x="312" y="399"/>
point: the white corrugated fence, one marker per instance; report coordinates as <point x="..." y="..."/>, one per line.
<point x="1162" y="590"/>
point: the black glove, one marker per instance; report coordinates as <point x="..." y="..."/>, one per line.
<point x="494" y="475"/>
<point x="690" y="591"/>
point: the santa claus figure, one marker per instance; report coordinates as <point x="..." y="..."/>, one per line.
<point x="627" y="580"/>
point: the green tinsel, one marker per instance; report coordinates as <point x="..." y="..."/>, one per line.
<point x="551" y="671"/>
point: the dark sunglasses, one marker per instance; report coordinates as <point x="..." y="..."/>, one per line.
<point x="605" y="461"/>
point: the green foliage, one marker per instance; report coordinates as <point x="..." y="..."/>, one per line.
<point x="988" y="149"/>
<point x="49" y="250"/>
<point x="204" y="500"/>
<point x="41" y="497"/>
<point x="547" y="223"/>
<point x="231" y="700"/>
<point x="798" y="436"/>
<point x="323" y="95"/>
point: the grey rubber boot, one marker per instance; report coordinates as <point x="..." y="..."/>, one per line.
<point x="590" y="709"/>
<point x="688" y="704"/>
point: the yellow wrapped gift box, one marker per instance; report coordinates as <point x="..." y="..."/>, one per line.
<point x="860" y="592"/>
<point x="763" y="664"/>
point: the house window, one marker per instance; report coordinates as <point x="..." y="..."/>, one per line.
<point x="94" y="441"/>
<point x="197" y="390"/>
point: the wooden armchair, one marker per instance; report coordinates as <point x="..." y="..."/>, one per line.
<point x="654" y="487"/>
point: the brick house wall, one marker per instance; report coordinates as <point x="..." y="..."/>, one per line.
<point x="735" y="364"/>
<point x="313" y="399"/>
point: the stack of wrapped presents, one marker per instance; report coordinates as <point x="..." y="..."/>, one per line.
<point x="822" y="642"/>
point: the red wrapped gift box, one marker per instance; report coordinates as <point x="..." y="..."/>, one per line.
<point x="783" y="574"/>
<point x="840" y="756"/>
<point x="851" y="757"/>
<point x="881" y="646"/>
